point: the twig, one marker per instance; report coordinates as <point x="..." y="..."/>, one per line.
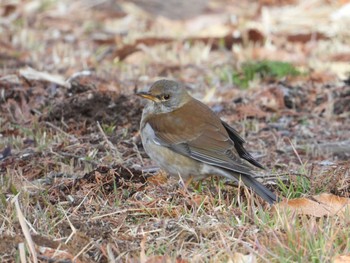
<point x="25" y="229"/>
<point x="124" y="211"/>
<point x="273" y="176"/>
<point x="22" y="252"/>
<point x="82" y="250"/>
<point x="111" y="257"/>
<point x="74" y="230"/>
<point x="295" y="151"/>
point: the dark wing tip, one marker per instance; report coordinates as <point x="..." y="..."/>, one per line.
<point x="249" y="158"/>
<point x="238" y="142"/>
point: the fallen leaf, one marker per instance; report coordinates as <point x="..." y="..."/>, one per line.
<point x="342" y="259"/>
<point x="32" y="74"/>
<point x="158" y="179"/>
<point x="198" y="200"/>
<point x="318" y="206"/>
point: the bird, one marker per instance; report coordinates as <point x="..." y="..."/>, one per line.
<point x="187" y="139"/>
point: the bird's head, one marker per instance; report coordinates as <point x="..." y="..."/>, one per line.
<point x="166" y="95"/>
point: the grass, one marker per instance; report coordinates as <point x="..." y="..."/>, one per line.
<point x="262" y="70"/>
<point x="109" y="129"/>
<point x="312" y="240"/>
<point x="296" y="188"/>
<point x="205" y="224"/>
<point x="209" y="222"/>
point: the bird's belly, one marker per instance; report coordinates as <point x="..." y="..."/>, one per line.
<point x="175" y="164"/>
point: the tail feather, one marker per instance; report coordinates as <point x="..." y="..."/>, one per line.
<point x="258" y="188"/>
<point x="249" y="181"/>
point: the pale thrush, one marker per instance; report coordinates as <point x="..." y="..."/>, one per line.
<point x="187" y="139"/>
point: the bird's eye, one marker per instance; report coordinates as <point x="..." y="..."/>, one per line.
<point x="166" y="96"/>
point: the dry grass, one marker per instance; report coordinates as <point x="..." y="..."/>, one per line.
<point x="209" y="224"/>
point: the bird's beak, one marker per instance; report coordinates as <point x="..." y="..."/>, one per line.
<point x="146" y="95"/>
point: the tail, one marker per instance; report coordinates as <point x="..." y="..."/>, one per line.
<point x="257" y="187"/>
<point x="254" y="184"/>
<point x="249" y="180"/>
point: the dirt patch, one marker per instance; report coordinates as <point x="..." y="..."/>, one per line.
<point x="90" y="107"/>
<point x="102" y="180"/>
<point x="81" y="105"/>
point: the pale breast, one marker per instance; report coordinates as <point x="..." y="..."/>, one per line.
<point x="167" y="159"/>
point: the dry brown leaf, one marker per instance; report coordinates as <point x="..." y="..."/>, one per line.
<point x="32" y="74"/>
<point x="158" y="179"/>
<point x="318" y="206"/>
<point x="342" y="259"/>
<point x="199" y="199"/>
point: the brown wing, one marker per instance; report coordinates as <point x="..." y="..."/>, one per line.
<point x="185" y="132"/>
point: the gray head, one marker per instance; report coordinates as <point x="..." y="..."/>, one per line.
<point x="166" y="95"/>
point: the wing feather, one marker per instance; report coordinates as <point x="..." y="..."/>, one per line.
<point x="238" y="141"/>
<point x="208" y="142"/>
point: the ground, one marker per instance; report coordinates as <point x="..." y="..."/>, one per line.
<point x="75" y="182"/>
